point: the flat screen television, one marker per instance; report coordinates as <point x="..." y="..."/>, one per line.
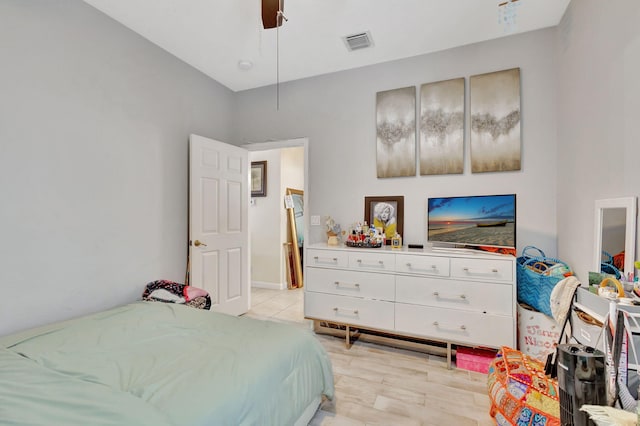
<point x="477" y="220"/>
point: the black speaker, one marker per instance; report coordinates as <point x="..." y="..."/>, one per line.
<point x="582" y="380"/>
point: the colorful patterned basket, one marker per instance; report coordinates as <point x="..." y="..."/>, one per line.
<point x="520" y="393"/>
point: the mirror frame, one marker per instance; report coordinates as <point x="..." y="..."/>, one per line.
<point x="628" y="203"/>
<point x="293" y="234"/>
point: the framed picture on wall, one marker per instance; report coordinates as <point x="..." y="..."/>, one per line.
<point x="258" y="178"/>
<point x="386" y="213"/>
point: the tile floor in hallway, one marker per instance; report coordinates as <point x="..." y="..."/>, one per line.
<point x="381" y="385"/>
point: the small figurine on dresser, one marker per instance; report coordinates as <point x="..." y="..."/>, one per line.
<point x="333" y="232"/>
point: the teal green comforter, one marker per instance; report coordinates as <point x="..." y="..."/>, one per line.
<point x="161" y="364"/>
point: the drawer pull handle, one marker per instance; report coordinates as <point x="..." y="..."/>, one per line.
<point x="380" y="262"/>
<point x="469" y="271"/>
<point x="355" y="311"/>
<point x="333" y="259"/>
<point x="462" y="327"/>
<point x="338" y="284"/>
<point x="461" y="296"/>
<point x="409" y="266"/>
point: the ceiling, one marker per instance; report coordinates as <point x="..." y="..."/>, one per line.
<point x="215" y="35"/>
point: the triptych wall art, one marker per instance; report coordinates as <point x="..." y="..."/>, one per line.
<point x="494" y="128"/>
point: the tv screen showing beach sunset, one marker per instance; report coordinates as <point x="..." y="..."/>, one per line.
<point x="485" y="220"/>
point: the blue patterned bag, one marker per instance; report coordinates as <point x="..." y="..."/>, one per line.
<point x="536" y="277"/>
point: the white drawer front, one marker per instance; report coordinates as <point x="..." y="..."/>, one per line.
<point x="327" y="258"/>
<point x="452" y="325"/>
<point x="469" y="296"/>
<point x="351" y="283"/>
<point x="375" y="261"/>
<point x="424" y="265"/>
<point x="349" y="310"/>
<point x="482" y="269"/>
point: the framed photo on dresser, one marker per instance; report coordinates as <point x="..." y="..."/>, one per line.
<point x="386" y="213"/>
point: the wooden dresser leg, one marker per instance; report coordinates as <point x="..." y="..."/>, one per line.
<point x="347" y="339"/>
<point x="448" y="355"/>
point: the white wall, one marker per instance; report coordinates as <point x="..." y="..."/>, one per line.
<point x="337" y="113"/>
<point x="292" y="168"/>
<point x="598" y="50"/>
<point x="94" y="127"/>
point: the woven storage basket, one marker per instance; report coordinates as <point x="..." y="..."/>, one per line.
<point x="537" y="275"/>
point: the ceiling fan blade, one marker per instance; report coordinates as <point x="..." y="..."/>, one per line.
<point x="270" y="17"/>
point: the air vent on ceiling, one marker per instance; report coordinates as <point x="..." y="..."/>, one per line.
<point x="358" y="41"/>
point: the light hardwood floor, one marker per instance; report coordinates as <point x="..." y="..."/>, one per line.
<point x="381" y="385"/>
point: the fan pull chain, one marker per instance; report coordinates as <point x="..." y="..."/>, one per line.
<point x="278" y="61"/>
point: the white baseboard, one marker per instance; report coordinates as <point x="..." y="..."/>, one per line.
<point x="264" y="284"/>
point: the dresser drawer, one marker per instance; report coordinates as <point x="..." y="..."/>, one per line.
<point x="466" y="295"/>
<point x="351" y="283"/>
<point x="327" y="258"/>
<point x="482" y="269"/>
<point x="374" y="261"/>
<point x="423" y="265"/>
<point x="452" y="325"/>
<point x="349" y="310"/>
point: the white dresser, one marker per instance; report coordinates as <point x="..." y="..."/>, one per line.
<point x="461" y="297"/>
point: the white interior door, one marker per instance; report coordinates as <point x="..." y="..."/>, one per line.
<point x="218" y="228"/>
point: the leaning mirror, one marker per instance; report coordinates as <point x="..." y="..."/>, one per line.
<point x="295" y="215"/>
<point x="615" y="235"/>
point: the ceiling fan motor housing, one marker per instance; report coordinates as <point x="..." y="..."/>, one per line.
<point x="270" y="16"/>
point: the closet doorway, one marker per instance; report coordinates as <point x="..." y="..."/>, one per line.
<point x="286" y="167"/>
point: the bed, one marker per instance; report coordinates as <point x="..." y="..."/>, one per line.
<point x="150" y="363"/>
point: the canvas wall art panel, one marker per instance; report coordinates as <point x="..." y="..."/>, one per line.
<point x="495" y="121"/>
<point x="396" y="132"/>
<point x="442" y="127"/>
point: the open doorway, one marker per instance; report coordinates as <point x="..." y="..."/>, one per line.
<point x="286" y="166"/>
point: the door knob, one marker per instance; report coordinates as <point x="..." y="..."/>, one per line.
<point x="198" y="243"/>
